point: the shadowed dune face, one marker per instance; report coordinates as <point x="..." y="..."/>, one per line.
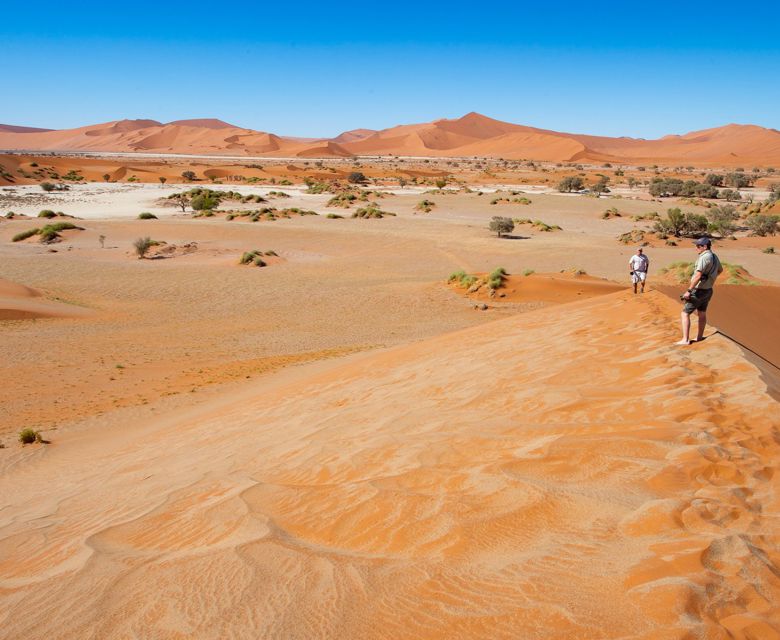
<point x="523" y="478"/>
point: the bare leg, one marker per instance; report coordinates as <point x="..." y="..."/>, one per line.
<point x="702" y="325"/>
<point x="685" y="325"/>
<point x="634" y="286"/>
<point x="643" y="286"/>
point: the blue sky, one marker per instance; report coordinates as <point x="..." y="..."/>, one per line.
<point x="316" y="69"/>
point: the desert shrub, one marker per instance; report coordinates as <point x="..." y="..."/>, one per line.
<point x="259" y="262"/>
<point x="28" y="436"/>
<point x="665" y="187"/>
<point x="142" y="246"/>
<point x="543" y="226"/>
<point x="425" y="206"/>
<point x="738" y="180"/>
<point x="714" y="179"/>
<point x="271" y="253"/>
<point x="528" y="272"/>
<point x="204" y="201"/>
<point x="730" y="195"/>
<point x="768" y="250"/>
<point x="612" y="212"/>
<point x="467" y="281"/>
<point x="682" y="271"/>
<point x="48" y="186"/>
<point x="47" y="213"/>
<point x="147" y="216"/>
<point x="316" y="186"/>
<point x="722" y="219"/>
<point x="73" y="176"/>
<point x="635" y="236"/>
<point x="24" y="235"/>
<point x="570" y="183"/>
<point x="344" y="200"/>
<point x="303" y="212"/>
<point x="496" y="278"/>
<point x="334" y="216"/>
<point x="501" y="225"/>
<point x="456" y="276"/>
<point x="763" y="225"/>
<point x="188" y="175"/>
<point x="356" y="177"/>
<point x="371" y="211"/>
<point x="279" y="194"/>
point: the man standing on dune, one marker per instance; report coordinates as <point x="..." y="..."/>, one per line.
<point x="639" y="263"/>
<point x="699" y="293"/>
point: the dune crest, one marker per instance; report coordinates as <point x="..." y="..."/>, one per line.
<point x="471" y="135"/>
<point x="517" y="479"/>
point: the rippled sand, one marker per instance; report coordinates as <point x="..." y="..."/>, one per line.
<point x="559" y="474"/>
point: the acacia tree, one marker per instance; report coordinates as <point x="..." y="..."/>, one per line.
<point x="501" y="225"/>
<point x="182" y="200"/>
<point x="162" y="180"/>
<point x="570" y="183"/>
<point x="188" y="175"/>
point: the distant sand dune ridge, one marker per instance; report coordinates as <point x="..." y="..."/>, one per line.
<point x="472" y="135"/>
<point x="550" y="475"/>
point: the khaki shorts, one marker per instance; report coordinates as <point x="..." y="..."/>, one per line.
<point x="699" y="300"/>
<point x="638" y="276"/>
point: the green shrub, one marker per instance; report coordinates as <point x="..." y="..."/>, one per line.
<point x="763" y="225"/>
<point x="425" y="206"/>
<point x="47" y="213"/>
<point x="570" y="183"/>
<point x="259" y="262"/>
<point x="496" y="278"/>
<point x="528" y="272"/>
<point x="142" y="246"/>
<point x="24" y="235"/>
<point x="371" y="211"/>
<point x="344" y="199"/>
<point x="334" y="216"/>
<point x="682" y="271"/>
<point x="457" y="276"/>
<point x="768" y="250"/>
<point x="47" y="186"/>
<point x="356" y="177"/>
<point x="147" y="216"/>
<point x="28" y="436"/>
<point x="204" y="201"/>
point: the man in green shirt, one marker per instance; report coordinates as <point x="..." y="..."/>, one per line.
<point x="697" y="297"/>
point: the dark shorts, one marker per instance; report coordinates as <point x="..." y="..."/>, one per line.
<point x="700" y="299"/>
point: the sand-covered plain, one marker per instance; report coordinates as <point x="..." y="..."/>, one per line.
<point x="339" y="445"/>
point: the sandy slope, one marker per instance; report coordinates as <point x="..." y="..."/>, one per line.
<point x="18" y="302"/>
<point x="542" y="476"/>
<point x="470" y="135"/>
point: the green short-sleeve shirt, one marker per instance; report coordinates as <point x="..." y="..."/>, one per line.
<point x="709" y="265"/>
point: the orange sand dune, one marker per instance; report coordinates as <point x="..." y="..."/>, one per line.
<point x="470" y="135"/>
<point x="18" y="302"/>
<point x="573" y="476"/>
<point x="551" y="288"/>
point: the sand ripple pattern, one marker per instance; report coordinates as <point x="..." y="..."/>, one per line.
<point x="554" y="475"/>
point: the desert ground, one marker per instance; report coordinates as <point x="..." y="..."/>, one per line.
<point x="345" y="442"/>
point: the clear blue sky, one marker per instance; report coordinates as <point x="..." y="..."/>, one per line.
<point x="316" y="69"/>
